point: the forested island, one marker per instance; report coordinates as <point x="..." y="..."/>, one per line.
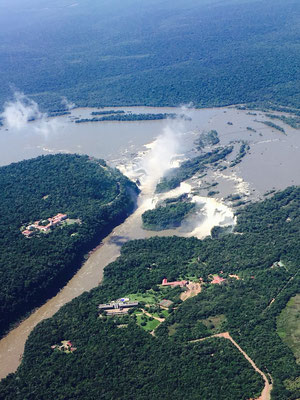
<point x="243" y="150"/>
<point x="168" y="214"/>
<point x="210" y="138"/>
<point x="294" y="122"/>
<point x="190" y="167"/>
<point x="126" y="117"/>
<point x="246" y="281"/>
<point x="107" y="112"/>
<point x="90" y="195"/>
<point x="274" y="126"/>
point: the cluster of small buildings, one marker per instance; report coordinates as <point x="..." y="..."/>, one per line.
<point x="217" y="280"/>
<point x="117" y="307"/>
<point x="52" y="222"/>
<point x="66" y="347"/>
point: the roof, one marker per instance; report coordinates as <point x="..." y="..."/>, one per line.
<point x="217" y="280"/>
<point x="27" y="232"/>
<point x="166" y="303"/>
<point x="175" y="283"/>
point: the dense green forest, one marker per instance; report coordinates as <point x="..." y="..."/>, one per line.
<point x="83" y="188"/>
<point x="115" y="358"/>
<point x="129" y="52"/>
<point x="188" y="168"/>
<point x="167" y="215"/>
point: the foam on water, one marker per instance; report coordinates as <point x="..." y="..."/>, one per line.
<point x="212" y="213"/>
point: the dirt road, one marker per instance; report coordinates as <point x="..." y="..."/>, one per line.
<point x="266" y="393"/>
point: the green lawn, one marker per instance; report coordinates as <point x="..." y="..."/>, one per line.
<point x="191" y="278"/>
<point x="150" y="297"/>
<point x="150" y="325"/>
<point x="165" y="314"/>
<point x="288" y="325"/>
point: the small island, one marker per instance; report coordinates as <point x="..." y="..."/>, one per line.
<point x="188" y="168"/>
<point x="118" y="116"/>
<point x="168" y="214"/>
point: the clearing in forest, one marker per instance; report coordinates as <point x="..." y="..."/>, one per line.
<point x="192" y="290"/>
<point x="288" y="325"/>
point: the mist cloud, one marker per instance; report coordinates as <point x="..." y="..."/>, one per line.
<point x="22" y="111"/>
<point x="163" y="153"/>
<point x="68" y="104"/>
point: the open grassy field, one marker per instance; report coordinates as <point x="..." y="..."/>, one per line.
<point x="288" y="325"/>
<point x="150" y="325"/>
<point x="154" y="296"/>
<point x="161" y="314"/>
<point x="149" y="297"/>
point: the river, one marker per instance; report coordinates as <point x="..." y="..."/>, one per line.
<point x="145" y="150"/>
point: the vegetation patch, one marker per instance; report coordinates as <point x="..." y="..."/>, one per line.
<point x="107" y="112"/>
<point x="274" y="126"/>
<point x="149" y="297"/>
<point x="167" y="216"/>
<point x="146" y="322"/>
<point x="288" y="325"/>
<point x="215" y="323"/>
<point x="294" y="122"/>
<point x="244" y="148"/>
<point x="172" y="329"/>
<point x="154" y="296"/>
<point x="293" y="384"/>
<point x="127" y="117"/>
<point x="217" y="232"/>
<point x="210" y="138"/>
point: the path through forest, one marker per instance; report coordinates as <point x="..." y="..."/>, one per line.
<point x="266" y="393"/>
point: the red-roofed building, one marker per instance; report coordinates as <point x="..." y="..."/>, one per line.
<point x="176" y="283"/>
<point x="27" y="233"/>
<point x="60" y="216"/>
<point x="217" y="280"/>
<point x="31" y="229"/>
